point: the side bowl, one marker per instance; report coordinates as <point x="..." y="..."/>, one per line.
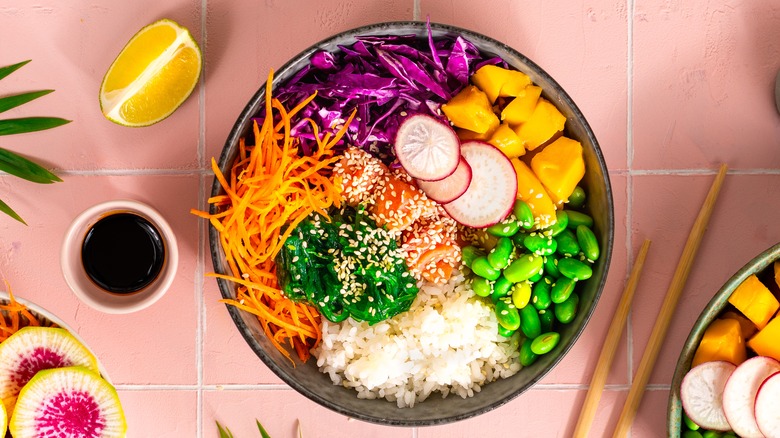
<point x="305" y="378"/>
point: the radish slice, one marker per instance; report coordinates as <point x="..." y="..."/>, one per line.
<point x="701" y="393"/>
<point x="493" y="189"/>
<point x="427" y="148"/>
<point x="767" y="402"/>
<point x="739" y="395"/>
<point x="451" y="187"/>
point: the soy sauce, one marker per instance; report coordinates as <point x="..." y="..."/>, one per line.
<point x="123" y="253"/>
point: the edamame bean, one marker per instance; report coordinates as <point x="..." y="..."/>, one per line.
<point x="576" y="218"/>
<point x="536" y="277"/>
<point x="545" y="342"/>
<point x="530" y="324"/>
<point x="518" y="238"/>
<point x="521" y="294"/>
<point x="524" y="214"/>
<point x="527" y="357"/>
<point x="567" y="310"/>
<point x="507" y="314"/>
<point x="691" y="434"/>
<point x="547" y="319"/>
<point x="469" y="253"/>
<point x="499" y="255"/>
<point x="561" y="221"/>
<point x="574" y="269"/>
<point x="501" y="288"/>
<point x="577" y="198"/>
<point x="505" y="332"/>
<point x="588" y="243"/>
<point x="689" y="423"/>
<point x="482" y="267"/>
<point x="551" y="266"/>
<point x="562" y="290"/>
<point x="567" y="244"/>
<point x="525" y="267"/>
<point x="540" y="296"/>
<point x="711" y="434"/>
<point x="504" y="229"/>
<point x="540" y="244"/>
<point x="481" y="286"/>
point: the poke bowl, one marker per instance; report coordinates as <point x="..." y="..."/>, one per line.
<point x="732" y="352"/>
<point x="390" y="64"/>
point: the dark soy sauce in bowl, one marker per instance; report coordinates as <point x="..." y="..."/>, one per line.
<point x="123" y="253"/>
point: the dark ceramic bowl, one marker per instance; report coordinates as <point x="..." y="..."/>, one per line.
<point x="305" y="378"/>
<point x="714" y="308"/>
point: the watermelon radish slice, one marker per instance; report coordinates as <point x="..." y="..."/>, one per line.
<point x="451" y="187"/>
<point x="701" y="393"/>
<point x="68" y="402"/>
<point x="32" y="349"/>
<point x="493" y="189"/>
<point x="739" y="394"/>
<point x="767" y="402"/>
<point x="427" y="148"/>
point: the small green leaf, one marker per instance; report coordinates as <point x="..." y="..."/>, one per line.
<point x="4" y="208"/>
<point x="23" y="168"/>
<point x="5" y="71"/>
<point x="224" y="432"/>
<point x="29" y="124"/>
<point x="263" y="433"/>
<point x="9" y="102"/>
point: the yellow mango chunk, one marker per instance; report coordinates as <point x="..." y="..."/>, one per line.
<point x="516" y="83"/>
<point x="497" y="81"/>
<point x="531" y="190"/>
<point x="466" y="135"/>
<point x="519" y="110"/>
<point x="765" y="342"/>
<point x="748" y="328"/>
<point x="721" y="341"/>
<point x="470" y="109"/>
<point x="544" y="123"/>
<point x="506" y="140"/>
<point x="755" y="301"/>
<point x="560" y="166"/>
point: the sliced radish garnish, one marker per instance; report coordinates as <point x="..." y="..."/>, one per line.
<point x="427" y="148"/>
<point x="451" y="187"/>
<point x="767" y="411"/>
<point x="701" y="393"/>
<point x="493" y="189"/>
<point x="739" y="395"/>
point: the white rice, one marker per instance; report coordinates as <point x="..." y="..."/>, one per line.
<point x="447" y="342"/>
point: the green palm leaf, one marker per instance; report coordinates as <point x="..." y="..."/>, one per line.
<point x="9" y="102"/>
<point x="5" y="71"/>
<point x="29" y="124"/>
<point x="224" y="432"/>
<point x="9" y="211"/>
<point x="263" y="433"/>
<point x="23" y="168"/>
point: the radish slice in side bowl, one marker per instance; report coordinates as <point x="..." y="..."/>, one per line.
<point x="768" y="406"/>
<point x="451" y="187"/>
<point x="702" y="394"/>
<point x="739" y="395"/>
<point x="428" y="149"/>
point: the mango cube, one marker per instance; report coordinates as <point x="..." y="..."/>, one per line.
<point x="519" y="110"/>
<point x="466" y="135"/>
<point x="748" y="328"/>
<point x="497" y="81"/>
<point x="506" y="140"/>
<point x="755" y="301"/>
<point x="560" y="166"/>
<point x="721" y="341"/>
<point x="544" y="123"/>
<point x="470" y="109"/>
<point x="531" y="190"/>
<point x="767" y="341"/>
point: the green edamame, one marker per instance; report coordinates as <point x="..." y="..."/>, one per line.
<point x="561" y="221"/>
<point x="574" y="269"/>
<point x="524" y="214"/>
<point x="689" y="423"/>
<point x="498" y="257"/>
<point x="504" y="229"/>
<point x="588" y="243"/>
<point x="547" y="319"/>
<point x="545" y="342"/>
<point x="691" y="434"/>
<point x="525" y="267"/>
<point x="521" y="294"/>
<point x="536" y="277"/>
<point x="530" y="324"/>
<point x="562" y="289"/>
<point x="527" y="357"/>
<point x="469" y="253"/>
<point x="481" y="286"/>
<point x="540" y="296"/>
<point x="576" y="218"/>
<point x="505" y="332"/>
<point x="711" y="434"/>
<point x="540" y="244"/>
<point x="551" y="266"/>
<point x="567" y="310"/>
<point x="577" y="198"/>
<point x="567" y="244"/>
<point x="501" y="288"/>
<point x="507" y="314"/>
<point x="482" y="267"/>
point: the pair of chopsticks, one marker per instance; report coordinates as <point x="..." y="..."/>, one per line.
<point x="659" y="330"/>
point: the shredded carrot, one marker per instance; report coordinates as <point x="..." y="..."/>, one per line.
<point x="270" y="189"/>
<point x="15" y="316"/>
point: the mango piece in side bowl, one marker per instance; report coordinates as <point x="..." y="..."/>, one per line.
<point x="721" y="341"/>
<point x="767" y="341"/>
<point x="755" y="301"/>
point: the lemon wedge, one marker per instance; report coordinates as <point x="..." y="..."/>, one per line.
<point x="152" y="76"/>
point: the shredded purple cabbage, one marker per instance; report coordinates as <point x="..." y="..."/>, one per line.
<point x="385" y="78"/>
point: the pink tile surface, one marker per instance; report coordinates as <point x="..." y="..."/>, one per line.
<point x="670" y="89"/>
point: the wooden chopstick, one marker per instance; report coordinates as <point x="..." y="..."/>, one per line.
<point x="610" y="346"/>
<point x="667" y="309"/>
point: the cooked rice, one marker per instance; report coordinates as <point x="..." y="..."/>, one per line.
<point x="447" y="342"/>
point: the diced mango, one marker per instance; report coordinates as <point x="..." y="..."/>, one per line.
<point x="466" y="135"/>
<point x="560" y="167"/>
<point x="766" y="341"/>
<point x="470" y="109"/>
<point x="497" y="81"/>
<point x="755" y="301"/>
<point x="506" y="140"/>
<point x="531" y="190"/>
<point x="543" y="124"/>
<point x="521" y="107"/>
<point x="721" y="341"/>
<point x="748" y="328"/>
<point x="517" y="82"/>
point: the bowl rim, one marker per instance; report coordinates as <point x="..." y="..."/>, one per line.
<point x="719" y="301"/>
<point x="414" y="26"/>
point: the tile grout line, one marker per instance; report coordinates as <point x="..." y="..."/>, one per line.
<point x="200" y="266"/>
